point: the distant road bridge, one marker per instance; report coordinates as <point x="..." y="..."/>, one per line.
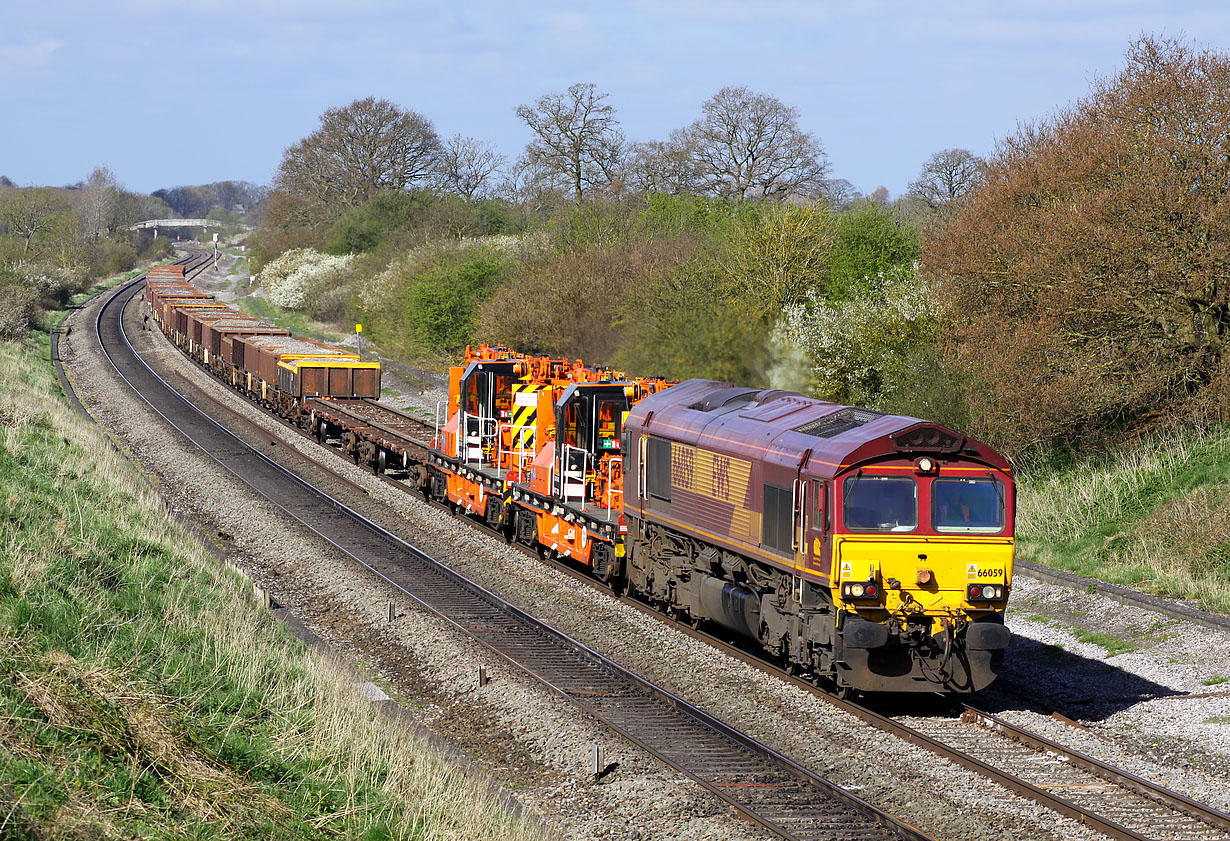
<point x="186" y="223"/>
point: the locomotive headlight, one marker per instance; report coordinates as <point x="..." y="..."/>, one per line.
<point x="985" y="592"/>
<point x="926" y="464"/>
<point x="860" y="590"/>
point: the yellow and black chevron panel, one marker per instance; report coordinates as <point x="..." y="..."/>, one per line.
<point x="525" y="413"/>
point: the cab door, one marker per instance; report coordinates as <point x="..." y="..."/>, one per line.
<point x="816" y="526"/>
<point x="802" y="495"/>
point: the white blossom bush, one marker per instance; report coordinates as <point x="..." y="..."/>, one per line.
<point x="293" y="279"/>
<point x="377" y="291"/>
<point x="18" y="309"/>
<point x="50" y="282"/>
<point x="861" y="348"/>
<point x="789" y="366"/>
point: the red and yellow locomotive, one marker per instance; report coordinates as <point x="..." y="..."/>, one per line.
<point x="872" y="551"/>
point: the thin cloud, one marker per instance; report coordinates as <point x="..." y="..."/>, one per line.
<point x="568" y="22"/>
<point x="22" y="58"/>
<point x="744" y="11"/>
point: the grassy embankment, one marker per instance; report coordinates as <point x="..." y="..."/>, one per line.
<point x="1155" y="516"/>
<point x="298" y="323"/>
<point x="143" y="693"/>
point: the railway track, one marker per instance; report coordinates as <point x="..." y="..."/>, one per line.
<point x="1098" y="795"/>
<point x="760" y="784"/>
<point x="193" y="266"/>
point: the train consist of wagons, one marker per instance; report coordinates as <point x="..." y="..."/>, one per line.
<point x="872" y="552"/>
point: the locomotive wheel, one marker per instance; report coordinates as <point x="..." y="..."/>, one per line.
<point x="830" y="685"/>
<point x="526" y="526"/>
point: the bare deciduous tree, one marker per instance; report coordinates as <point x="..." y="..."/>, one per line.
<point x="663" y="167"/>
<point x="30" y="211"/>
<point x="577" y="139"/>
<point x="360" y="149"/>
<point x="839" y="193"/>
<point x="99" y="197"/>
<point x="947" y="176"/>
<point x="750" y="144"/>
<point x="466" y="166"/>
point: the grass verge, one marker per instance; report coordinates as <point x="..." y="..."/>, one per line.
<point x="143" y="694"/>
<point x="296" y="322"/>
<point x="1155" y="516"/>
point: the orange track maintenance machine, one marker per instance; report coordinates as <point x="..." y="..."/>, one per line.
<point x="534" y="446"/>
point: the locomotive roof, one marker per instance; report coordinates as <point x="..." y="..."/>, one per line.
<point x="788" y="427"/>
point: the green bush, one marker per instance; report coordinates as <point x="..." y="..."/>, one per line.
<point x="18" y="305"/>
<point x="111" y="257"/>
<point x="677" y="326"/>
<point x="574" y="302"/>
<point x="366" y="227"/>
<point x="429" y="302"/>
<point x="869" y="240"/>
<point x="497" y="217"/>
<point x="396" y="220"/>
<point x="707" y="218"/>
<point x="597" y="224"/>
<point x="156" y="248"/>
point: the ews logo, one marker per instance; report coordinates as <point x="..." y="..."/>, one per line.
<point x="683" y="466"/>
<point x="721" y="478"/>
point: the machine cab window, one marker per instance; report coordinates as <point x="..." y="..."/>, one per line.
<point x="594" y="423"/>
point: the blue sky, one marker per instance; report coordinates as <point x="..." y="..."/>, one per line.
<point x="172" y="93"/>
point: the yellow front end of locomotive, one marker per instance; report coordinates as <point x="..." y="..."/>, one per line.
<point x="938" y="575"/>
